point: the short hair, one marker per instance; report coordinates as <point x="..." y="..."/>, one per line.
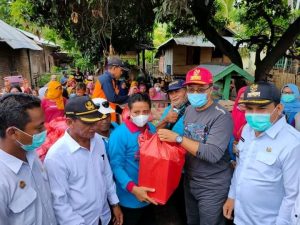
<point x="139" y="97"/>
<point x="13" y="110"/>
<point x="81" y="86"/>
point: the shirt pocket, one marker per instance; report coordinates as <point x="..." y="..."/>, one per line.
<point x="266" y="158"/>
<point x="22" y="206"/>
<point x="266" y="166"/>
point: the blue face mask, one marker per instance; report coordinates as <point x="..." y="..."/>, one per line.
<point x="197" y="100"/>
<point x="287" y="98"/>
<point x="37" y="140"/>
<point x="259" y="121"/>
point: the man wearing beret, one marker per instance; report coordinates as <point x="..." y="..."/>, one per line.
<point x="265" y="182"/>
<point x="80" y="176"/>
<point x="207" y="130"/>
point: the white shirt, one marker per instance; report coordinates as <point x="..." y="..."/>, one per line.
<point x="296" y="210"/>
<point x="25" y="196"/>
<point x="265" y="184"/>
<point x="81" y="181"/>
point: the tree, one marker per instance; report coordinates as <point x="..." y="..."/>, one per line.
<point x="269" y="27"/>
<point x="97" y="24"/>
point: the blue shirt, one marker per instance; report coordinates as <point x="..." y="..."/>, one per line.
<point x="124" y="161"/>
<point x="25" y="196"/>
<point x="106" y="81"/>
<point x="179" y="125"/>
<point x="265" y="181"/>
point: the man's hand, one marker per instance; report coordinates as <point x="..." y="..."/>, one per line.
<point x="167" y="135"/>
<point x="171" y="116"/>
<point x="141" y="193"/>
<point x="228" y="208"/>
<point x="118" y="215"/>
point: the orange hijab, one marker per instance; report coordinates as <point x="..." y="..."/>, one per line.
<point x="54" y="93"/>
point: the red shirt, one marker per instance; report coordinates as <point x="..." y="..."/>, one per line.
<point x="51" y="111"/>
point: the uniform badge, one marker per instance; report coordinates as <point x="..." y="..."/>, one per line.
<point x="89" y="105"/>
<point x="253" y="91"/>
<point x="269" y="149"/>
<point x="22" y="184"/>
<point x="196" y="75"/>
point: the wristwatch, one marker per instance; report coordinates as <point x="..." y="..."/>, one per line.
<point x="179" y="139"/>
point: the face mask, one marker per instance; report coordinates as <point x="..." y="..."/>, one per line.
<point x="72" y="95"/>
<point x="157" y="89"/>
<point x="259" y="121"/>
<point x="197" y="100"/>
<point x="140" y="120"/>
<point x="37" y="140"/>
<point x="288" y="98"/>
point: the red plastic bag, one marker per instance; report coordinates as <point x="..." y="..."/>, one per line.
<point x="161" y="166"/>
<point x="55" y="129"/>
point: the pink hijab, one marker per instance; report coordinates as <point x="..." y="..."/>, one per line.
<point x="157" y="96"/>
<point x="238" y="116"/>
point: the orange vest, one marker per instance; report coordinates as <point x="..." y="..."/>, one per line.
<point x="99" y="93"/>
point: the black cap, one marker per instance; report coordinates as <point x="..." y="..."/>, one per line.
<point x="116" y="61"/>
<point x="84" y="109"/>
<point x="175" y="85"/>
<point x="261" y="93"/>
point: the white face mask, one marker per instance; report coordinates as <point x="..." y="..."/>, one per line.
<point x="140" y="120"/>
<point x="157" y="89"/>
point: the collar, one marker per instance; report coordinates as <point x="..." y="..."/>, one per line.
<point x="103" y="137"/>
<point x="109" y="74"/>
<point x="14" y="163"/>
<point x="134" y="128"/>
<point x="276" y="128"/>
<point x="73" y="144"/>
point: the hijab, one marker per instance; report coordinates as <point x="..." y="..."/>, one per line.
<point x="54" y="93"/>
<point x="238" y="116"/>
<point x="157" y="95"/>
<point x="292" y="107"/>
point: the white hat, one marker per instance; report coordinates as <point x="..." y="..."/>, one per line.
<point x="104" y="105"/>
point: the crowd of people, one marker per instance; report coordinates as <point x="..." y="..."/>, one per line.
<point x="241" y="167"/>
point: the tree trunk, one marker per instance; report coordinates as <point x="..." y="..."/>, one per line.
<point x="202" y="13"/>
<point x="282" y="45"/>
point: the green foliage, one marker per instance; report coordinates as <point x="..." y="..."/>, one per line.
<point x="95" y="24"/>
<point x="44" y="79"/>
<point x="55" y="69"/>
<point x="20" y="11"/>
<point x="5" y="10"/>
<point x="160" y="34"/>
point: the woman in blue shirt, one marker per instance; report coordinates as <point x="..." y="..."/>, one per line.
<point x="124" y="161"/>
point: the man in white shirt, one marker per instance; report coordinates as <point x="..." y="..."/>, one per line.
<point x="80" y="176"/>
<point x="296" y="210"/>
<point x="25" y="196"/>
<point x="264" y="186"/>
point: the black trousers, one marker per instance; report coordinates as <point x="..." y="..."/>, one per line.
<point x="139" y="216"/>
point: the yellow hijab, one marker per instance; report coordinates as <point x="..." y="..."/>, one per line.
<point x="54" y="93"/>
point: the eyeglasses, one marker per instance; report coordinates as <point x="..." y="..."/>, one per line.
<point x="199" y="90"/>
